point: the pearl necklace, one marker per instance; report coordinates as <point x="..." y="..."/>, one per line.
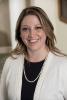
<point x="35" y="78"/>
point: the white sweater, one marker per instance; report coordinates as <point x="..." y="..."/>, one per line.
<point x="52" y="84"/>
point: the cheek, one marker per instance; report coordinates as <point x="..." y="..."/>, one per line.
<point x="43" y="36"/>
<point x="23" y="36"/>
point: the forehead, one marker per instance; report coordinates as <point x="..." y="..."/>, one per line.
<point x="28" y="19"/>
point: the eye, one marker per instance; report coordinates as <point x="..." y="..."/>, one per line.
<point x="38" y="27"/>
<point x="24" y="29"/>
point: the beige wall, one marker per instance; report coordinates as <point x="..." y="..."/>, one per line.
<point x="4" y="21"/>
<point x="15" y="7"/>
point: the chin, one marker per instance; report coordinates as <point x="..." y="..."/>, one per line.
<point x="33" y="48"/>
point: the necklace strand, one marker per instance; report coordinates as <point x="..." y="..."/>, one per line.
<point x="35" y="78"/>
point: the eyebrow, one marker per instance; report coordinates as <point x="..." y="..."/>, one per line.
<point x="34" y="25"/>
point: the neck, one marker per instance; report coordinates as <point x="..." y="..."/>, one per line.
<point x="37" y="55"/>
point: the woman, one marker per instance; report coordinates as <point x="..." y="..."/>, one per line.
<point x="36" y="70"/>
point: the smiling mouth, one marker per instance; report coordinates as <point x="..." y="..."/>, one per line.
<point x="33" y="40"/>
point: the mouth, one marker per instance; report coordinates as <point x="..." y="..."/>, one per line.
<point x="33" y="40"/>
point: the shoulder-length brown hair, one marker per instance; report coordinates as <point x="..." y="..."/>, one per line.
<point x="46" y="24"/>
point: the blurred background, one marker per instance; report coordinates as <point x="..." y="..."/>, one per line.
<point x="9" y="12"/>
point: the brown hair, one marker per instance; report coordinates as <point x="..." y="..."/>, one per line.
<point x="46" y="24"/>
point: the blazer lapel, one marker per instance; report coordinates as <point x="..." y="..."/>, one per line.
<point x="42" y="76"/>
<point x="18" y="81"/>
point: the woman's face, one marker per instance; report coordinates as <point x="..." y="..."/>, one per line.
<point x="32" y="33"/>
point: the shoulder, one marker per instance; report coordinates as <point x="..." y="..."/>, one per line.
<point x="14" y="59"/>
<point x="60" y="63"/>
<point x="59" y="59"/>
<point x="12" y="63"/>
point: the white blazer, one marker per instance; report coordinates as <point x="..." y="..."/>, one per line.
<point x="52" y="84"/>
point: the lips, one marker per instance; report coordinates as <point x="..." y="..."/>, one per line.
<point x="33" y="40"/>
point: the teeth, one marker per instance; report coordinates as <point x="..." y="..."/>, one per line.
<point x="33" y="40"/>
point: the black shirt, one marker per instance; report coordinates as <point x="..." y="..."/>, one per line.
<point x="32" y="69"/>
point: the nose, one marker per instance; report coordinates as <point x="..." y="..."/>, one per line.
<point x="32" y="32"/>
